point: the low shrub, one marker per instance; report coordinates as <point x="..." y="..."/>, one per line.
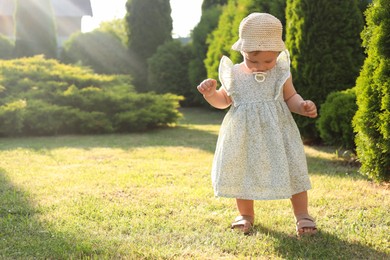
<point x="44" y="97"/>
<point x="11" y="117"/>
<point x="335" y="121"/>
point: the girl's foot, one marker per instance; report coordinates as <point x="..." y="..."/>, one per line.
<point x="305" y="225"/>
<point x="243" y="223"/>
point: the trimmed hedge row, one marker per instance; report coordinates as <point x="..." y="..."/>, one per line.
<point x="44" y="97"/>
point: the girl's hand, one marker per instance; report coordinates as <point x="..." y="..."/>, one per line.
<point x="208" y="87"/>
<point x="309" y="108"/>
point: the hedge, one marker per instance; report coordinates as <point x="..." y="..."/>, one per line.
<point x="44" y="97"/>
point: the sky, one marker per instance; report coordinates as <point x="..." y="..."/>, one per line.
<point x="185" y="14"/>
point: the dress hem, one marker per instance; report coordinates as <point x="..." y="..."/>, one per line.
<point x="279" y="197"/>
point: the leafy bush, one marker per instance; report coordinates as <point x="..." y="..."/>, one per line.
<point x="335" y="121"/>
<point x="168" y="70"/>
<point x="11" y="117"/>
<point x="101" y="51"/>
<point x="44" y="97"/>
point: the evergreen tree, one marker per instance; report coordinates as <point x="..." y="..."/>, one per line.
<point x="372" y="120"/>
<point x="207" y="4"/>
<point x="35" y="30"/>
<point x="149" y="25"/>
<point x="116" y="27"/>
<point x="208" y="22"/>
<point x="323" y="37"/>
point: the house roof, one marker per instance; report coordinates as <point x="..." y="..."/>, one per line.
<point x="60" y="7"/>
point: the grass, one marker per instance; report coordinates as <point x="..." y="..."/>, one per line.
<point x="149" y="196"/>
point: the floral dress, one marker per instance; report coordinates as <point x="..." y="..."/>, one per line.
<point x="259" y="153"/>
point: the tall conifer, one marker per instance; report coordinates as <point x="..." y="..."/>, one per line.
<point x="149" y="25"/>
<point x="323" y="37"/>
<point x="372" y="120"/>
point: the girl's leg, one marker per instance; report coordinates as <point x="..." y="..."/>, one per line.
<point x="245" y="207"/>
<point x="245" y="221"/>
<point x="300" y="205"/>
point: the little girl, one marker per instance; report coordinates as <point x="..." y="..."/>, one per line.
<point x="259" y="153"/>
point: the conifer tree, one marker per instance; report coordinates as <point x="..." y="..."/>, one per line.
<point x="35" y="29"/>
<point x="211" y="11"/>
<point x="149" y="25"/>
<point x="372" y="120"/>
<point x="323" y="37"/>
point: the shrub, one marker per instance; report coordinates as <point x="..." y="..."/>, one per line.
<point x="168" y="70"/>
<point x="147" y="111"/>
<point x="335" y="121"/>
<point x="44" y="97"/>
<point x="11" y="117"/>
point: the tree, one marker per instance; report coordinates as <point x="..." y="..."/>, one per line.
<point x="207" y="4"/>
<point x="208" y="22"/>
<point x="372" y="120"/>
<point x="149" y="25"/>
<point x="35" y="29"/>
<point x="323" y="37"/>
<point x="116" y="28"/>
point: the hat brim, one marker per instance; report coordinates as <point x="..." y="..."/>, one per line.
<point x="237" y="45"/>
<point x="249" y="47"/>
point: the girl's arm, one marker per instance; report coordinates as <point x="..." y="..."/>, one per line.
<point x="216" y="98"/>
<point x="296" y="103"/>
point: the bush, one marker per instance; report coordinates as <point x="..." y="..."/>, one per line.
<point x="168" y="70"/>
<point x="335" y="121"/>
<point x="11" y="117"/>
<point x="44" y="97"/>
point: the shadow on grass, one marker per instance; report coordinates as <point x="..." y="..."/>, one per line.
<point x="175" y="136"/>
<point x="22" y="235"/>
<point x="333" y="167"/>
<point x="179" y="136"/>
<point x="187" y="133"/>
<point x="321" y="246"/>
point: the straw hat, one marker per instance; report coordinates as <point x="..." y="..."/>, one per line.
<point x="260" y="32"/>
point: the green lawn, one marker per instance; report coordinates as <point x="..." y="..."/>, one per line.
<point x="149" y="195"/>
